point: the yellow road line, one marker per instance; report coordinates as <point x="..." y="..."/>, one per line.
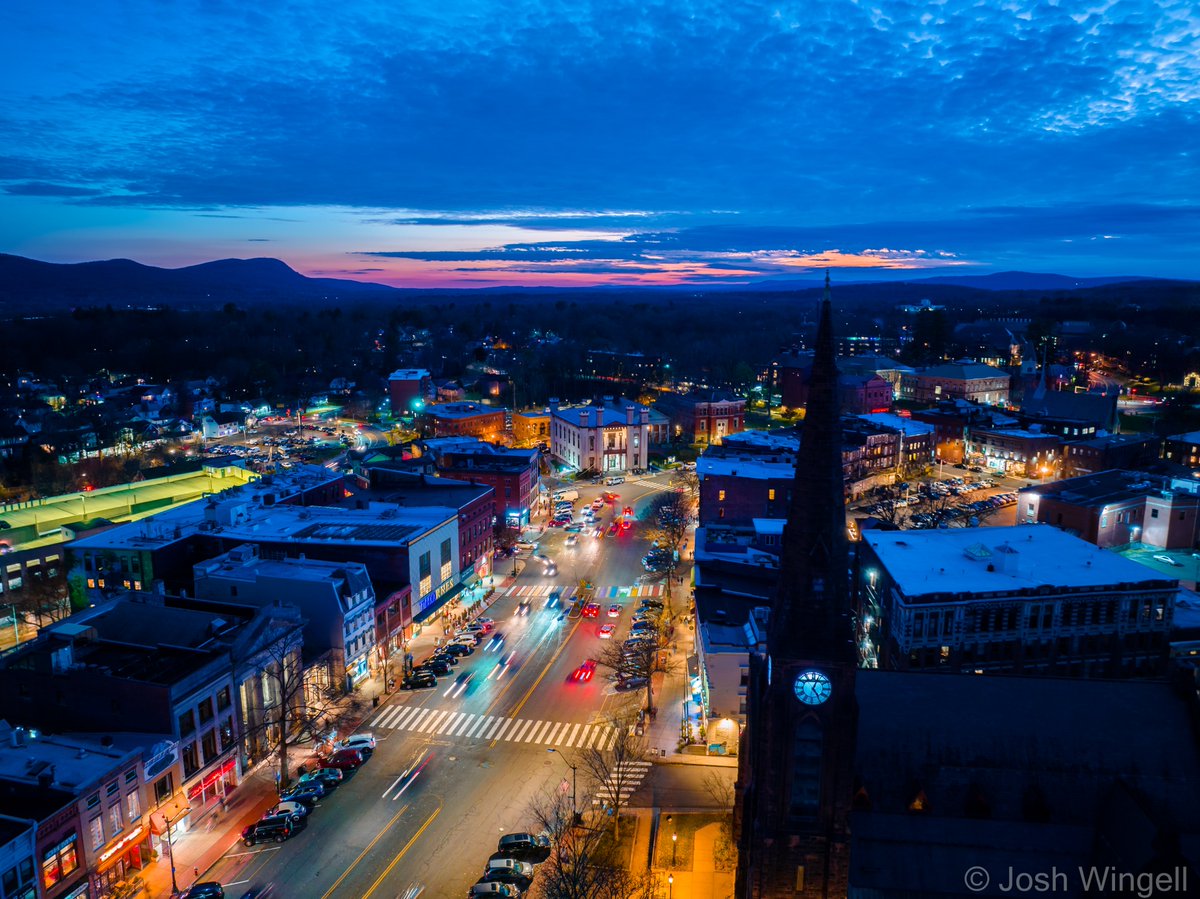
<point x="368" y="848"/>
<point x="529" y="692"/>
<point x="400" y="854"/>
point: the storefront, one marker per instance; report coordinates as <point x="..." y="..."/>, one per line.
<point x="436" y="606"/>
<point x="212" y="788"/>
<point x="120" y="861"/>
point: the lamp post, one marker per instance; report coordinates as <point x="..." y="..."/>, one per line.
<point x="674" y="846"/>
<point x="574" y="803"/>
<point x="171" y="852"/>
<point x="670" y="886"/>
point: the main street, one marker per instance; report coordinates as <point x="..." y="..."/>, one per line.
<point x="459" y="765"/>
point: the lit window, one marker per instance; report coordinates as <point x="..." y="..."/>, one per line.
<point x="771" y="495"/>
<point x="720" y="496"/>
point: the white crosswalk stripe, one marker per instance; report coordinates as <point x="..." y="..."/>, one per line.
<point x="622" y="783"/>
<point x="472" y="726"/>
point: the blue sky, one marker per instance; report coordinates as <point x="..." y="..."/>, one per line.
<point x="483" y="143"/>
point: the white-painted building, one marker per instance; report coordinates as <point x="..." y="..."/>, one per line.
<point x="609" y="436"/>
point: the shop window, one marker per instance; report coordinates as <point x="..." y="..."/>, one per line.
<point x="59" y="862"/>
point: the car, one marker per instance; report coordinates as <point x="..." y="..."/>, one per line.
<point x="614" y="611"/>
<point x="496" y="643"/>
<point x="553" y="599"/>
<point x="208" y="889"/>
<point x="573" y="538"/>
<point x="509" y="870"/>
<point x="494" y="888"/>
<point x="486" y="623"/>
<point x="550" y="570"/>
<point x="460" y="649"/>
<point x="613" y="528"/>
<point x="525" y="545"/>
<point x="1168" y="561"/>
<point x="524" y="607"/>
<point x="330" y="778"/>
<point x="585" y="672"/>
<point x="276" y="830"/>
<point x="644" y="625"/>
<point x="573" y="528"/>
<point x="439" y="664"/>
<point x="470" y="638"/>
<point x="639" y="641"/>
<point x="364" y="743"/>
<point x="524" y="846"/>
<point x="633" y="682"/>
<point x="261" y="892"/>
<point x="344" y="760"/>
<point x="299" y="809"/>
<point x="557" y="522"/>
<point x="606" y="631"/>
<point x="474" y="628"/>
<point x="422" y="679"/>
<point x="591" y="610"/>
<point x="307" y="793"/>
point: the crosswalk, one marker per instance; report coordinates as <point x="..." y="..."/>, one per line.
<point x="622" y="783"/>
<point x="615" y="591"/>
<point x="470" y="726"/>
<point x="637" y="591"/>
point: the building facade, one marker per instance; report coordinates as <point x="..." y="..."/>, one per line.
<point x="610" y="436"/>
<point x="962" y="380"/>
<point x="464" y="420"/>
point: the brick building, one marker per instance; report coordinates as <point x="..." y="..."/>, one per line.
<point x="1013" y="451"/>
<point x="531" y="427"/>
<point x="1083" y="457"/>
<point x="1116" y="508"/>
<point x="407" y="389"/>
<point x="963" y="380"/>
<point x="463" y="420"/>
<point x="702" y="417"/>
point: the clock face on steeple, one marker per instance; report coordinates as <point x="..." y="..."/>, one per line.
<point x="812" y="687"/>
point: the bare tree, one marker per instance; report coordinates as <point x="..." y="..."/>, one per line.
<point x="642" y="659"/>
<point x="43" y="598"/>
<point x="614" y="772"/>
<point x="579" y="867"/>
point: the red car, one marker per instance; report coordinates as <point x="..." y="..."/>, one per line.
<point x="585" y="671"/>
<point x="345" y="759"/>
<point x="591" y="610"/>
<point x="606" y="631"/>
<point x="610" y="497"/>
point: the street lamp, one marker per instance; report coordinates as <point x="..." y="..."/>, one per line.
<point x="170" y="850"/>
<point x="674" y="846"/>
<point x="574" y="803"/>
<point x="670" y="885"/>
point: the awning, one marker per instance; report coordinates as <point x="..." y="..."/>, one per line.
<point x="436" y="606"/>
<point x="173" y="809"/>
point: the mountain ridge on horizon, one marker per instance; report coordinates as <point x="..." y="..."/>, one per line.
<point x="34" y="283"/>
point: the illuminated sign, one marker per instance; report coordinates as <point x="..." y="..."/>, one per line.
<point x="128" y="840"/>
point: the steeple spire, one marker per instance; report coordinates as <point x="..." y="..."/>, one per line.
<point x="809" y="614"/>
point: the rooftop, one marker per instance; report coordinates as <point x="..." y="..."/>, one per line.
<point x="962" y="370"/>
<point x="408" y="374"/>
<point x="1001" y="560"/>
<point x="755" y="467"/>
<point x="73" y="764"/>
<point x="907" y="426"/>
<point x="1189" y="437"/>
<point x="1102" y="488"/>
<point x="461" y="410"/>
<point x="608" y="412"/>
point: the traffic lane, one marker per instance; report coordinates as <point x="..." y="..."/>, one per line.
<point x="483" y="793"/>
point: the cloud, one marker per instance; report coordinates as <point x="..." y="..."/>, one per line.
<point x="47" y="189"/>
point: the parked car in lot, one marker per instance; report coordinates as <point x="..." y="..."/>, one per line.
<point x="276" y="830"/>
<point x="524" y="846"/>
<point x="631" y="683"/>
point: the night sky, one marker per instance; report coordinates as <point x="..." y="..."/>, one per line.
<point x="483" y="143"/>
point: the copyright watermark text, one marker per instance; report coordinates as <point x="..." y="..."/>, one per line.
<point x="1098" y="881"/>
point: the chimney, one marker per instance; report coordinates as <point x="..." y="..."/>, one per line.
<point x="629" y="412"/>
<point x="585" y="418"/>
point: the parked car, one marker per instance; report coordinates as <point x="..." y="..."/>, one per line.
<point x="492" y="888"/>
<point x="634" y="682"/>
<point x="307" y="793"/>
<point x="276" y="830"/>
<point x="344" y="760"/>
<point x="524" y="846"/>
<point x="364" y="743"/>
<point x="509" y="870"/>
<point x="422" y="679"/>
<point x="291" y="807"/>
<point x="459" y="649"/>
<point x="329" y="778"/>
<point x="1168" y="561"/>
<point x="208" y="889"/>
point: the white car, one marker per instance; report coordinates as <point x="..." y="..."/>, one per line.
<point x="288" y="807"/>
<point x="571" y="540"/>
<point x="1168" y="561"/>
<point x="359" y="741"/>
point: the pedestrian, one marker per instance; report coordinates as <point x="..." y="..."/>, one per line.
<point x="196" y="871"/>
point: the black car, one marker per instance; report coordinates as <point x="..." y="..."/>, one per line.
<point x="520" y="881"/>
<point x="307" y="793"/>
<point x="273" y="830"/>
<point x="460" y="649"/>
<point x="419" y="680"/>
<point x="208" y="889"/>
<point x="526" y="847"/>
<point x="434" y="666"/>
<point x="631" y="683"/>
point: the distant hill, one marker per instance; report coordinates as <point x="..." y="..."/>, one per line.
<point x="1025" y="281"/>
<point x="28" y="285"/>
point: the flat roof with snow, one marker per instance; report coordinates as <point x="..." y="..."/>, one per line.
<point x="957" y="560"/>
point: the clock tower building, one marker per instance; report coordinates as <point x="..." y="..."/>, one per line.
<point x="796" y="765"/>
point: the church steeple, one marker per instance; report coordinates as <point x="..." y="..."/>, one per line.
<point x="808" y="619"/>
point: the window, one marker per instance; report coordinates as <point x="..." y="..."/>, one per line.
<point x="223" y="699"/>
<point x="93" y="801"/>
<point x="133" y="806"/>
<point x="187" y="723"/>
<point x="59" y="862"/>
<point x="96" y="832"/>
<point x="227" y="734"/>
<point x="206" y="711"/>
<point x="771" y="494"/>
<point x="116" y="819"/>
<point x="191" y="763"/>
<point x="807" y="748"/>
<point x="720" y="496"/>
<point x="112" y="788"/>
<point x="209" y="743"/>
<point x="164" y="789"/>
